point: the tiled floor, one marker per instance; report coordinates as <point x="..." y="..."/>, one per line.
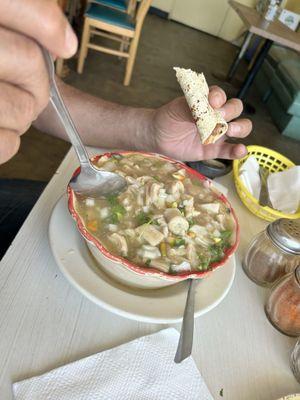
<point x="163" y="44"/>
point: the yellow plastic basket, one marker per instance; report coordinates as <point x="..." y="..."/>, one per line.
<point x="272" y="161"/>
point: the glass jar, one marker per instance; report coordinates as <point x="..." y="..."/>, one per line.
<point x="271" y="12"/>
<point x="262" y="6"/>
<point x="274" y="252"/>
<point x="283" y="305"/>
<point x="295" y="361"/>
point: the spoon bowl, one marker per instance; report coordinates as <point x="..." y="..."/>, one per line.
<point x="91" y="182"/>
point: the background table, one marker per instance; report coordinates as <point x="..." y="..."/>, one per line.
<point x="272" y="32"/>
<point x="45" y="322"/>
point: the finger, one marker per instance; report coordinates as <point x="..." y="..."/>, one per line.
<point x="239" y="128"/>
<point x="194" y="150"/>
<point x="43" y="21"/>
<point x="9" y="144"/>
<point x="232" y="109"/>
<point x="216" y="97"/>
<point x="227" y="151"/>
<point x="17" y="108"/>
<point x="24" y="66"/>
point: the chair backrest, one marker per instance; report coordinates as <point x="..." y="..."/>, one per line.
<point x="131" y="6"/>
<point x="141" y="13"/>
<point x="127" y="3"/>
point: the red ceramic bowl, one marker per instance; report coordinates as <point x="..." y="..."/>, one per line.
<point x="131" y="274"/>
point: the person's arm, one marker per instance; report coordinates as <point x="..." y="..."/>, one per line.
<point x="24" y="93"/>
<point x="100" y="123"/>
<point x="169" y="129"/>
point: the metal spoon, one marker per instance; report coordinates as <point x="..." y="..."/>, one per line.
<point x="90" y="182"/>
<point x="185" y="343"/>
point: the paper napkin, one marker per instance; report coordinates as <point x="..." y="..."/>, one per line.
<point x="139" y="370"/>
<point x="284" y="190"/>
<point x="249" y="175"/>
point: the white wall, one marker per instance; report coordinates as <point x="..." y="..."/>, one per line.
<point x="206" y="15"/>
<point x="232" y="25"/>
<point x="213" y="16"/>
<point x="164" y="5"/>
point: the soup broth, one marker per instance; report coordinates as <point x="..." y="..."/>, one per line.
<point x="166" y="219"/>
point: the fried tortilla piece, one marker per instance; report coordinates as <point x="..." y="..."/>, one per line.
<point x="210" y="123"/>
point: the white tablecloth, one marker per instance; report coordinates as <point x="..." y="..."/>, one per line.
<point x="46" y="323"/>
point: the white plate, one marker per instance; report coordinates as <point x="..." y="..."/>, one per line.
<point x="164" y="305"/>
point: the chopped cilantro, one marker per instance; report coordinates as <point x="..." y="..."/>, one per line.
<point x="221" y="392"/>
<point x="117" y="210"/>
<point x="179" y="242"/>
<point x="181" y="209"/>
<point x="117" y="156"/>
<point x="216" y="251"/>
<point x="154" y="222"/>
<point x="191" y="222"/>
<point x="143" y="218"/>
<point x="112" y="199"/>
<point x="147" y="262"/>
<point x="225" y="234"/>
<point x="115" y="217"/>
<point x="204" y="262"/>
<point x="112" y="219"/>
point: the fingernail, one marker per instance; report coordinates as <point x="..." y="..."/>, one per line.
<point x="244" y="152"/>
<point x="235" y="128"/>
<point x="216" y="96"/>
<point x="71" y="41"/>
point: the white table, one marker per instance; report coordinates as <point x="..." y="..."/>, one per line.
<point x="45" y="322"/>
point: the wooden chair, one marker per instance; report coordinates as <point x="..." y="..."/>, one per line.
<point x="69" y="7"/>
<point x="116" y="25"/>
<point x="120" y="5"/>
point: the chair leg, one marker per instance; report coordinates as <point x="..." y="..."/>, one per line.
<point x="83" y="47"/>
<point x="122" y="46"/>
<point x="59" y="67"/>
<point x="131" y="60"/>
<point x="127" y="43"/>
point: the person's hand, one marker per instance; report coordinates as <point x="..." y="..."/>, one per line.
<point x="175" y="133"/>
<point x="24" y="86"/>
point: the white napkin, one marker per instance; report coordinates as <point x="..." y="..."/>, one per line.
<point x="139" y="370"/>
<point x="284" y="190"/>
<point x="249" y="175"/>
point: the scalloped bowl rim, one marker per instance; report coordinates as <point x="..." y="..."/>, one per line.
<point x="143" y="270"/>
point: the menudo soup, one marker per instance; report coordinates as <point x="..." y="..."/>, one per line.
<point x="165" y="219"/>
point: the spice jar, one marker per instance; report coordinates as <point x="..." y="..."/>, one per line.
<point x="274" y="252"/>
<point x="295" y="361"/>
<point x="283" y="305"/>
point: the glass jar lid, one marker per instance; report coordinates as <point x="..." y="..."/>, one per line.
<point x="285" y="233"/>
<point x="297" y="275"/>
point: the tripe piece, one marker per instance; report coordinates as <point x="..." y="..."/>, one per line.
<point x="210" y="123"/>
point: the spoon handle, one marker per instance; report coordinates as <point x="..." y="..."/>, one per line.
<point x="185" y="343"/>
<point x="62" y="112"/>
